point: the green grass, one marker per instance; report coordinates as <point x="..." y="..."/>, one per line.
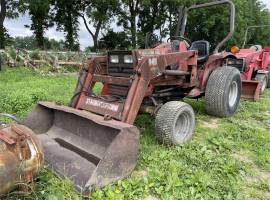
<point x="229" y="160"/>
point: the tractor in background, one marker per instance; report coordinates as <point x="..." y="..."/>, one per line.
<point x="254" y="64"/>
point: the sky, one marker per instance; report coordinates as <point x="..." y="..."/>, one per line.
<point x="16" y="27"/>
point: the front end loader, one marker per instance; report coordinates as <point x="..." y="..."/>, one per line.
<point x="253" y="62"/>
<point x="93" y="140"/>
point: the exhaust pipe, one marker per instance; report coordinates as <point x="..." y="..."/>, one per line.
<point x="84" y="147"/>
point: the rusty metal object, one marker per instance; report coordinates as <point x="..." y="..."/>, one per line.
<point x="21" y="157"/>
<point x="83" y="146"/>
<point x="251" y="90"/>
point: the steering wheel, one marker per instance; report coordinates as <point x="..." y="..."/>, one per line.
<point x="181" y="38"/>
<point x="151" y="40"/>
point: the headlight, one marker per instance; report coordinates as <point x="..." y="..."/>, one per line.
<point x="114" y="59"/>
<point x="239" y="62"/>
<point x="231" y="62"/>
<point x="128" y="59"/>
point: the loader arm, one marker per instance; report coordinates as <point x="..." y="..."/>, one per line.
<point x="148" y="68"/>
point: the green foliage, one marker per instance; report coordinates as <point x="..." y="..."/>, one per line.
<point x="30" y="43"/>
<point x="32" y="88"/>
<point x="9" y="9"/>
<point x="99" y="14"/>
<point x="27" y="43"/>
<point x="203" y="24"/>
<point x="40" y="17"/>
<point x="66" y="18"/>
<point x="209" y="24"/>
<point x="128" y="11"/>
<point x="207" y="167"/>
<point x="137" y="17"/>
<point x="114" y="40"/>
<point x="11" y="51"/>
<point x="35" y="55"/>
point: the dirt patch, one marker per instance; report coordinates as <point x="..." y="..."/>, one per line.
<point x="252" y="180"/>
<point x="151" y="198"/>
<point x="247" y="193"/>
<point x="141" y="173"/>
<point x="213" y="123"/>
<point x="243" y="157"/>
<point x="268" y="113"/>
<point x="264" y="175"/>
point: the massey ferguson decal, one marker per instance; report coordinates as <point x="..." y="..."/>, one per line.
<point x="101" y="104"/>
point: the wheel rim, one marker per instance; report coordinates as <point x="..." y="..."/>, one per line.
<point x="264" y="84"/>
<point x="182" y="126"/>
<point x="233" y="94"/>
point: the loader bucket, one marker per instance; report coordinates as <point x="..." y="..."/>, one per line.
<point x="84" y="147"/>
<point x="251" y="90"/>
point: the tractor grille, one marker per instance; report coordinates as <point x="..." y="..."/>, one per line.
<point x="122" y="70"/>
<point x="237" y="63"/>
<point x="118" y="90"/>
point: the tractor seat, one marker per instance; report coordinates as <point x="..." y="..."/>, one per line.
<point x="256" y="47"/>
<point x="203" y="48"/>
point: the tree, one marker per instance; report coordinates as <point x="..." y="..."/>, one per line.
<point x="260" y="16"/>
<point x="41" y="20"/>
<point x="2" y="19"/>
<point x="9" y="9"/>
<point x="98" y="13"/>
<point x="152" y="18"/>
<point x="128" y="11"/>
<point x="66" y="18"/>
<point x="30" y="43"/>
<point x="54" y="45"/>
<point x="115" y="40"/>
<point x="203" y="24"/>
<point x="141" y="16"/>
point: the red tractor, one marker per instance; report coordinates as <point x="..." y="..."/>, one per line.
<point x="254" y="65"/>
<point x="94" y="142"/>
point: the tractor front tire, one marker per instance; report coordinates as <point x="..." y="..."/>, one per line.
<point x="263" y="79"/>
<point x="174" y="123"/>
<point x="223" y="92"/>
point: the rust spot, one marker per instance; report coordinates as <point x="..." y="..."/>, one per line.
<point x="21" y="157"/>
<point x="4" y="137"/>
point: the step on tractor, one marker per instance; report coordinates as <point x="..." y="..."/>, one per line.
<point x="93" y="140"/>
<point x="253" y="62"/>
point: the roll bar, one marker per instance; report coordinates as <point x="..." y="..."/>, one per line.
<point x="205" y="5"/>
<point x="251" y="27"/>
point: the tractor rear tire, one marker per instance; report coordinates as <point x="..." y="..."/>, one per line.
<point x="174" y="123"/>
<point x="263" y="79"/>
<point x="223" y="92"/>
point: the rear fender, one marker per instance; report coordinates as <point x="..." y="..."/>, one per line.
<point x="214" y="61"/>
